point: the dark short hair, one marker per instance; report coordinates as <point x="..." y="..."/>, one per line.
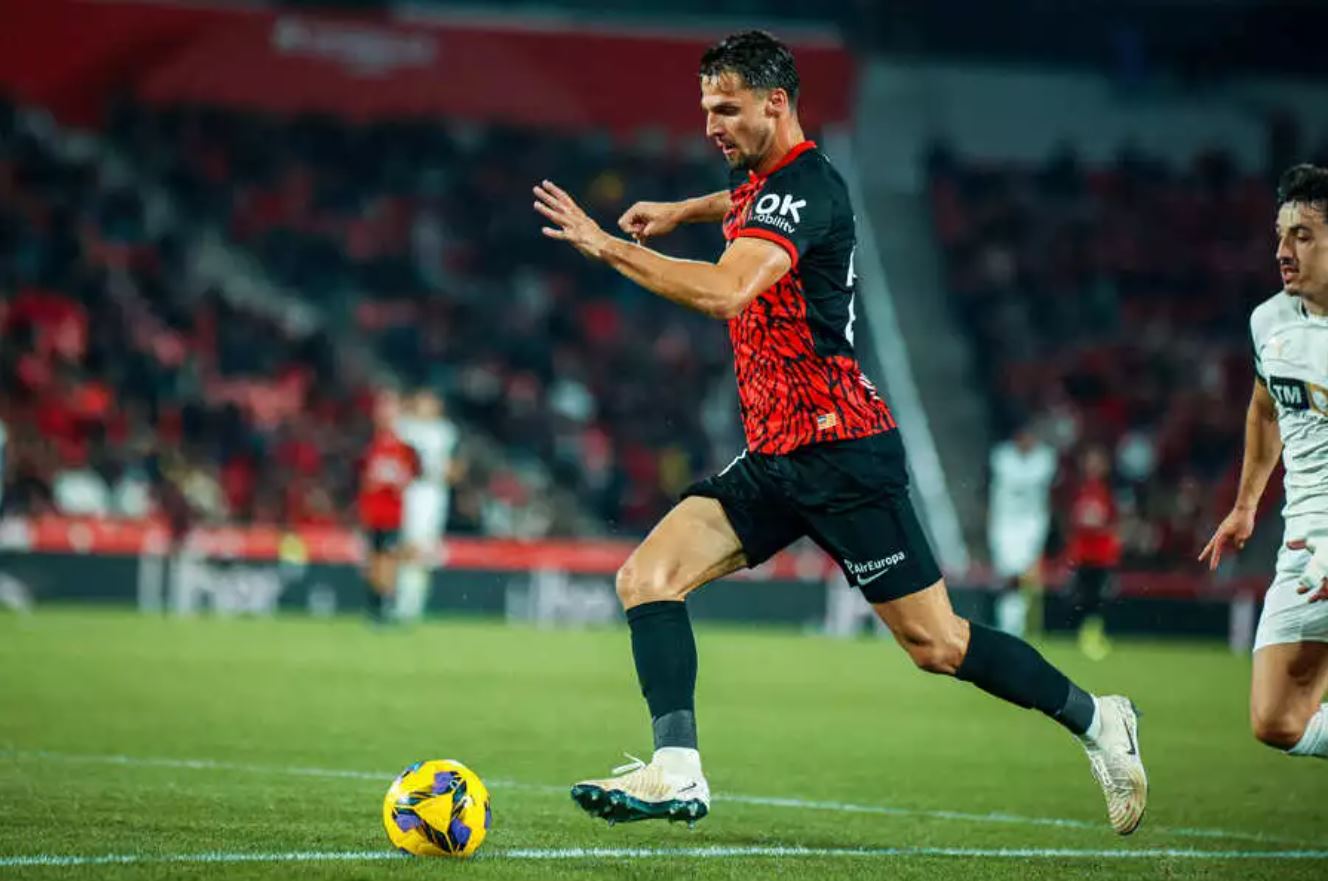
<point x="1306" y="185"/>
<point x="762" y="61"/>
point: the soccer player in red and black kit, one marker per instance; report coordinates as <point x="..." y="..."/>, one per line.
<point x="1094" y="550"/>
<point x="823" y="457"/>
<point x="386" y="468"/>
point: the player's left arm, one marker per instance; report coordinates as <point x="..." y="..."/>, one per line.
<point x="721" y="290"/>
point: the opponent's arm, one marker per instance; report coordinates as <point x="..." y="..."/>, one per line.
<point x="1263" y="446"/>
<point x="645" y="220"/>
<point x="721" y="290"/>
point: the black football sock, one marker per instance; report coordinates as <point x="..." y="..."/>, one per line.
<point x="1012" y="670"/>
<point x="665" y="654"/>
<point x="374" y="603"/>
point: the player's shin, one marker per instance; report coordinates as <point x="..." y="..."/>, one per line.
<point x="1013" y="670"/>
<point x="664" y="650"/>
<point x="412" y="591"/>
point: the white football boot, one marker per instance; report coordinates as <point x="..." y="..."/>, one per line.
<point x="1119" y="770"/>
<point x="641" y="791"/>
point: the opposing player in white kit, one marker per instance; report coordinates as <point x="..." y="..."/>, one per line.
<point x="1288" y="414"/>
<point x="1018" y="518"/>
<point x="434" y="438"/>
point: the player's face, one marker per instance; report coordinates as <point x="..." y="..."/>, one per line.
<point x="386" y="409"/>
<point x="428" y="406"/>
<point x="1302" y="252"/>
<point x="1096" y="463"/>
<point x="739" y="121"/>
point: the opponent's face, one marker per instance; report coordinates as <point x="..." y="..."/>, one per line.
<point x="1302" y="253"/>
<point x="741" y="121"/>
<point x="428" y="406"/>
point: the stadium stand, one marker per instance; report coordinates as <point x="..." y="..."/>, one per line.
<point x="418" y="236"/>
<point x="1110" y="305"/>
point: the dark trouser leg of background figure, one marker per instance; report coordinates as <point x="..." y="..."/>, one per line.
<point x="1090" y="587"/>
<point x="380" y="584"/>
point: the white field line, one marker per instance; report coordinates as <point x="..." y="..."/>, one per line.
<point x="676" y="853"/>
<point x="758" y="800"/>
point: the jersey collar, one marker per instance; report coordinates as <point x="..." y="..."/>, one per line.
<point x="1307" y="315"/>
<point x="794" y="152"/>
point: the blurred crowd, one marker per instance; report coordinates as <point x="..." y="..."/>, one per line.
<point x="1110" y="306"/>
<point x="1107" y="306"/>
<point x="124" y="388"/>
<point x="415" y="237"/>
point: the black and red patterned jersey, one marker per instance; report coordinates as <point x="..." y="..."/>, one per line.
<point x="799" y="382"/>
<point x="386" y="468"/>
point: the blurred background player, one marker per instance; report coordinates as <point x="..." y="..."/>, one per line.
<point x="387" y="467"/>
<point x="1094" y="549"/>
<point x="1288" y="415"/>
<point x="424" y="426"/>
<point x="1018" y="519"/>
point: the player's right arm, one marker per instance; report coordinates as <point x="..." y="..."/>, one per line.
<point x="1263" y="446"/>
<point x="646" y="220"/>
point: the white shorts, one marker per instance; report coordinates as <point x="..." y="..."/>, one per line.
<point x="1289" y="617"/>
<point x="423" y="515"/>
<point x="1016" y="544"/>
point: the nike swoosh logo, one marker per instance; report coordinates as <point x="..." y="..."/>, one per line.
<point x="862" y="581"/>
<point x="1134" y="750"/>
<point x="688" y="788"/>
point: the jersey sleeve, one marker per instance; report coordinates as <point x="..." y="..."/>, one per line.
<point x="1258" y="362"/>
<point x="794" y="210"/>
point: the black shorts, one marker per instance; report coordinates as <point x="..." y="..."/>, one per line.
<point x="1091" y="585"/>
<point x="384" y="541"/>
<point x="850" y="497"/>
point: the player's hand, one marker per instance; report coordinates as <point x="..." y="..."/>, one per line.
<point x="570" y="223"/>
<point x="1315" y="576"/>
<point x="1232" y="532"/>
<point x="646" y="220"/>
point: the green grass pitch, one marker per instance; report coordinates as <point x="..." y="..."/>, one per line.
<point x="160" y="740"/>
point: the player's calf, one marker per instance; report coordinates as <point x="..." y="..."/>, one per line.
<point x="637" y="584"/>
<point x="1285" y="730"/>
<point x="935" y="647"/>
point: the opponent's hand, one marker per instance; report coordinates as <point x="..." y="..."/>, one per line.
<point x="646" y="220"/>
<point x="571" y="224"/>
<point x="1315" y="576"/>
<point x="1233" y="532"/>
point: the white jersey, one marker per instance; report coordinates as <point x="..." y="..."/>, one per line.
<point x="1291" y="359"/>
<point x="1021" y="481"/>
<point x="434" y="441"/>
<point x="1018" y="515"/>
<point x="426" y="500"/>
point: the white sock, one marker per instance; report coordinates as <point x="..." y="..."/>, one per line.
<point x="1314" y="742"/>
<point x="680" y="760"/>
<point x="1012" y="613"/>
<point x="1095" y="727"/>
<point x="412" y="591"/>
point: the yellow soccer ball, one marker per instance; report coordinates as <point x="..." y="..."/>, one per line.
<point x="437" y="809"/>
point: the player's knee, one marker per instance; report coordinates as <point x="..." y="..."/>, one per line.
<point x="933" y="648"/>
<point x="638" y="584"/>
<point x="1280" y="730"/>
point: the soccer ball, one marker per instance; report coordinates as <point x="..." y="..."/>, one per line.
<point x="437" y="809"/>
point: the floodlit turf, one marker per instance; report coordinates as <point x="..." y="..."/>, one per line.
<point x="298" y="725"/>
